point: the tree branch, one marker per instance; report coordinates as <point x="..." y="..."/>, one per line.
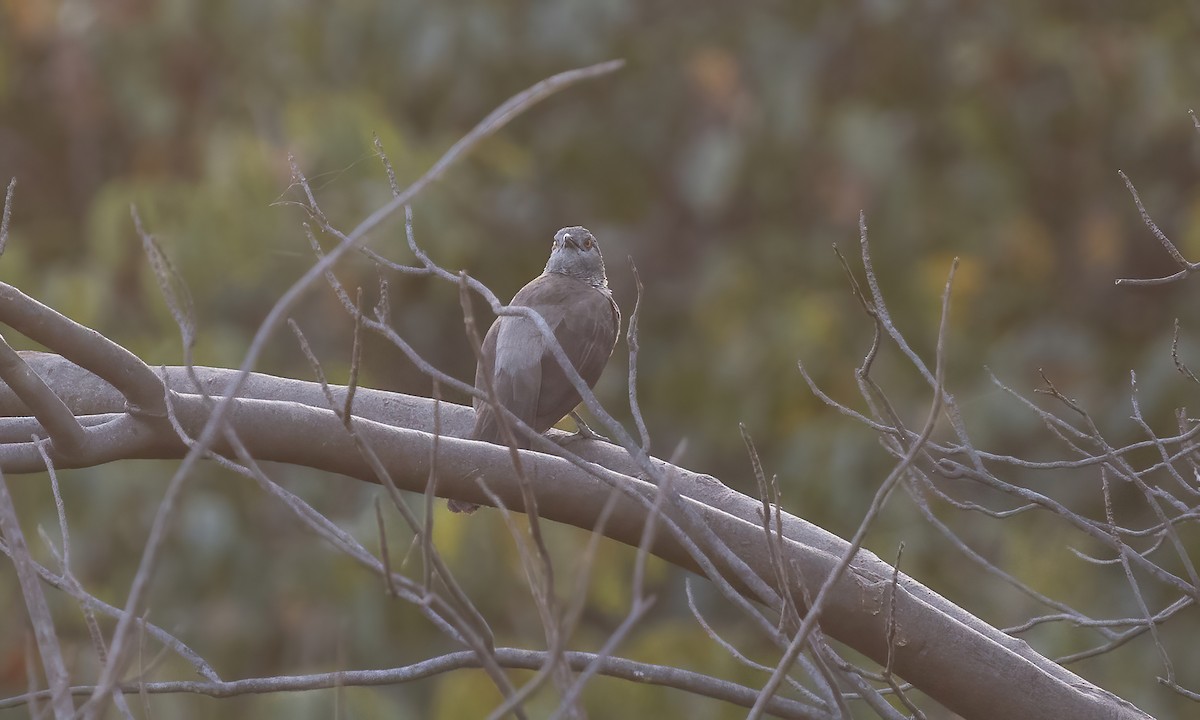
<point x="961" y="661"/>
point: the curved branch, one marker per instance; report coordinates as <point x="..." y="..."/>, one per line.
<point x="51" y="413"/>
<point x="961" y="661"/>
<point x="514" y="658"/>
<point x="83" y="346"/>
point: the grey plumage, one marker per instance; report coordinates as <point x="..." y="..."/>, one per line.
<point x="572" y="296"/>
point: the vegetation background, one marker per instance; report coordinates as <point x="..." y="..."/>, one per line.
<point x="735" y="148"/>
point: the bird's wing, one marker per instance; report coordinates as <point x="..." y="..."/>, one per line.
<point x="586" y="327"/>
<point x="512" y="354"/>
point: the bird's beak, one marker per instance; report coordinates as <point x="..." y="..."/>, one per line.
<point x="568" y="239"/>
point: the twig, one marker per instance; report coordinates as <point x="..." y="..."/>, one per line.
<point x="36" y="606"/>
<point x="808" y="695"/>
<point x="63" y="558"/>
<point x="571" y="615"/>
<point x="1186" y="268"/>
<point x="426" y="537"/>
<point x="516" y="658"/>
<point x="1179" y="365"/>
<point x="891" y="632"/>
<point x="1133" y="585"/>
<point x="383" y="550"/>
<point x="7" y="214"/>
<point x="789" y="612"/>
<point x="170" y="283"/>
<point x="880" y="307"/>
<point x="70" y="585"/>
<point x="631" y="339"/>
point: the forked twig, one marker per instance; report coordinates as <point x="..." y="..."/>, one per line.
<point x="1185" y="267"/>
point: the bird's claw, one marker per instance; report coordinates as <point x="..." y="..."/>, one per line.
<point x="582" y="432"/>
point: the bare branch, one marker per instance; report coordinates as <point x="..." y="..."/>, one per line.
<point x="84" y="347"/>
<point x="6" y="214"/>
<point x="631" y="339"/>
<point x="35" y="605"/>
<point x="1182" y="368"/>
<point x="290" y="431"/>
<point x="1186" y="267"/>
<point x="516" y="658"/>
<point x="170" y="283"/>
<point x="53" y="415"/>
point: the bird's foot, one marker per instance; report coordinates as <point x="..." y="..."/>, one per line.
<point x="582" y="432"/>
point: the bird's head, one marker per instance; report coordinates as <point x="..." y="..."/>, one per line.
<point x="576" y="253"/>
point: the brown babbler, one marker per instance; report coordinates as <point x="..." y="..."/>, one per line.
<point x="572" y="296"/>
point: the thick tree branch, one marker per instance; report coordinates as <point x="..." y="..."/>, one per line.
<point x="961" y="661"/>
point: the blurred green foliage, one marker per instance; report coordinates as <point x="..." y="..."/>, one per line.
<point x="738" y="144"/>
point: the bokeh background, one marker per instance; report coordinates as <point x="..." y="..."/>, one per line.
<point x="736" y="147"/>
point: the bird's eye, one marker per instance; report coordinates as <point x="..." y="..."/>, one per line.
<point x="587" y="243"/>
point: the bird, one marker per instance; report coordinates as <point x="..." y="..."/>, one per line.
<point x="573" y="297"/>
